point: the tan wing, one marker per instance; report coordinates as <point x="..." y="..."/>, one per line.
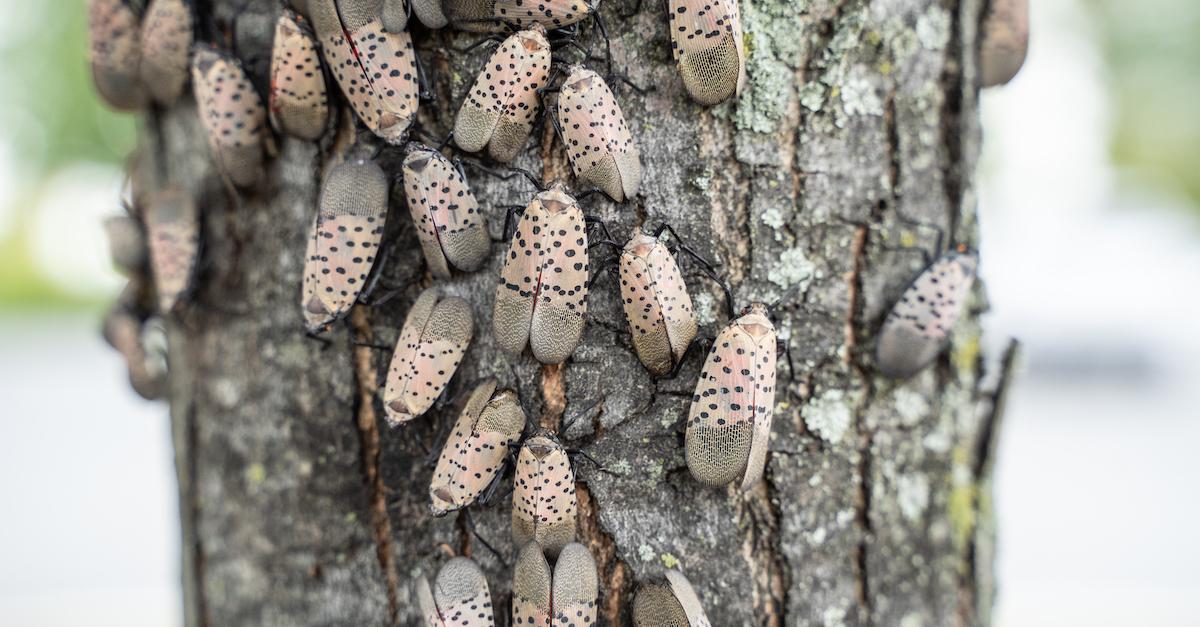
<point x="531" y="604"/>
<point x="544" y="503"/>
<point x="298" y="101"/>
<point x="420" y="371"/>
<point x="115" y="53"/>
<point x="232" y="113"/>
<point x="706" y="41"/>
<point x="166" y="45"/>
<point x="549" y="13"/>
<point x="721" y="417"/>
<point x="173" y="238"/>
<point x="599" y="145"/>
<point x="513" y="309"/>
<point x="561" y="303"/>
<point x="643" y="311"/>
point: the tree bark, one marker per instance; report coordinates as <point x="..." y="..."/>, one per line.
<point x="300" y="507"/>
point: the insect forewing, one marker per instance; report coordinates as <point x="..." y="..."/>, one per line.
<point x="561" y="303"/>
<point x="431" y="345"/>
<point x="473" y="454"/>
<point x="576" y="587"/>
<point x="655" y="605"/>
<point x="115" y="53"/>
<point x="531" y="588"/>
<point x="544" y="501"/>
<point x="299" y="104"/>
<point x="345" y="240"/>
<point x="599" y="145"/>
<point x="462" y="596"/>
<point x="166" y="44"/>
<point x="918" y="326"/>
<point x="688" y="600"/>
<point x="729" y="422"/>
<point x="173" y="237"/>
<point x="706" y="40"/>
<point x="232" y="114"/>
<point x="451" y="228"/>
<point x="1005" y="41"/>
<point x="549" y="13"/>
<point x="426" y="604"/>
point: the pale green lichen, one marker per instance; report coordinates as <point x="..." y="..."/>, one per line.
<point x="933" y="28"/>
<point x="668" y="560"/>
<point x="910" y="406"/>
<point x="256" y="474"/>
<point x="829" y="415"/>
<point x="773" y="54"/>
<point x="912" y="495"/>
<point x="859" y="94"/>
<point x="793" y="268"/>
<point x="646" y="553"/>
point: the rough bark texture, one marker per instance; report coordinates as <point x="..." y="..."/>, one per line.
<point x="300" y="507"/>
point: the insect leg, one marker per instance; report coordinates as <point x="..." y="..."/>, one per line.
<point x="510" y="211"/>
<point x="424" y="88"/>
<point x="469" y="523"/>
<point x="696" y="342"/>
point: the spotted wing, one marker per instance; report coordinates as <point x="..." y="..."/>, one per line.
<point x="549" y="13"/>
<point x="513" y="310"/>
<point x="298" y="101"/>
<point x="721" y="418"/>
<point x="558" y="314"/>
<point x="644" y="312"/>
<point x="115" y="53"/>
<point x="460" y="225"/>
<point x="531" y="604"/>
<point x="762" y="373"/>
<point x="173" y="237"/>
<point x="673" y="299"/>
<point x="421" y="371"/>
<point x="576" y="587"/>
<point x="462" y="595"/>
<point x="918" y="326"/>
<point x="166" y="45"/>
<point x="389" y="64"/>
<point x="706" y="41"/>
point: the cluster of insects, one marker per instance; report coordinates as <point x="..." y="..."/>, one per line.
<point x="541" y="296"/>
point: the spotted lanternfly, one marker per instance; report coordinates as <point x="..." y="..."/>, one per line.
<point x="489" y="424"/>
<point x="166" y="44"/>
<point x="706" y="41"/>
<point x="542" y="296"/>
<point x="491" y="15"/>
<point x="729" y="423"/>
<point x="116" y="53"/>
<point x="299" y="104"/>
<point x="345" y="239"/>
<point x="532" y="577"/>
<point x="125" y="330"/>
<point x="452" y="229"/>
<point x="918" y="326"/>
<point x="499" y="110"/>
<point x="1005" y="41"/>
<point x="657" y="305"/>
<point x="376" y="69"/>
<point x="599" y="145"/>
<point x="126" y="243"/>
<point x="544" y="495"/>
<point x="670" y="603"/>
<point x="459" y="597"/>
<point x="576" y="587"/>
<point x="232" y="114"/>
<point x="431" y="345"/>
<point x="173" y="237"/>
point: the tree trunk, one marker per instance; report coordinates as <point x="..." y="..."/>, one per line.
<point x="300" y="507"/>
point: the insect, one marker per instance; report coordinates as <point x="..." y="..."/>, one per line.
<point x="126" y="329"/>
<point x="499" y="110"/>
<point x="491" y="15"/>
<point x="344" y="241"/>
<point x="472" y="457"/>
<point x="452" y="229"/>
<point x="565" y="597"/>
<point x="918" y="326"/>
<point x="166" y="45"/>
<point x="431" y="345"/>
<point x="544" y="502"/>
<point x="376" y="69"/>
<point x="459" y="596"/>
<point x="126" y="243"/>
<point x="706" y="41"/>
<point x="116" y="53"/>
<point x="1005" y="41"/>
<point x="542" y="296"/>
<point x="173" y="239"/>
<point x="298" y="102"/>
<point x="599" y="146"/>
<point x="232" y="114"/>
<point x="657" y="305"/>
<point x="729" y="423"/>
<point x="669" y="603"/>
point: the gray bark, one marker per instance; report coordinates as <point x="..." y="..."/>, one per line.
<point x="300" y="507"/>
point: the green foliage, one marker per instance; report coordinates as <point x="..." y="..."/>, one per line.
<point x="1152" y="53"/>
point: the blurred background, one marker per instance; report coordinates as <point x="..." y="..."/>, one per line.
<point x="1090" y="200"/>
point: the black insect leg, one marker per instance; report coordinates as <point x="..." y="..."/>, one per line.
<point x="469" y="524"/>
